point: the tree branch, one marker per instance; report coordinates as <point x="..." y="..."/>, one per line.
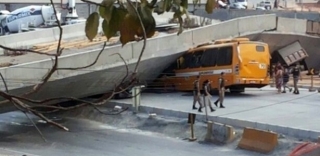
<point x="90" y="2"/>
<point x="144" y="36"/>
<point x="26" y="50"/>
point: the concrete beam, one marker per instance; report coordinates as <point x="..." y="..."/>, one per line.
<point x="298" y="26"/>
<point x="160" y="52"/>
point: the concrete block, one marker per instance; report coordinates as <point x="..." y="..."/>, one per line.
<point x="258" y="140"/>
<point x="222" y="133"/>
<point x="292" y="25"/>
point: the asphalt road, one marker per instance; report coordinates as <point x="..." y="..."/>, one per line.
<point x="89" y="138"/>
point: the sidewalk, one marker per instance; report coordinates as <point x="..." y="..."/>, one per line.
<point x="289" y="114"/>
<point x="306" y="82"/>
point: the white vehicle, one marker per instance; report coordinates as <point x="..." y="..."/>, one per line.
<point x="233" y="4"/>
<point x="26" y="18"/>
<point x="264" y="4"/>
<point x="240" y="4"/>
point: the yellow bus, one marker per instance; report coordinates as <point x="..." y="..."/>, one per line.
<point x="244" y="62"/>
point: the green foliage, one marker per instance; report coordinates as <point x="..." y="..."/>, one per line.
<point x="113" y="26"/>
<point x="210" y="5"/>
<point x="122" y="16"/>
<point x="92" y="25"/>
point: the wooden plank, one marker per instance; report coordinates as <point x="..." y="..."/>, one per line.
<point x="41" y="45"/>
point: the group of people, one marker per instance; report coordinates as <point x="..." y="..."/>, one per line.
<point x="282" y="77"/>
<point x="206" y="93"/>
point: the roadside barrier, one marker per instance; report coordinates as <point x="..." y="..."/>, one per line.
<point x="258" y="140"/>
<point x="221" y="133"/>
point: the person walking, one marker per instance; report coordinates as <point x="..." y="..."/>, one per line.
<point x="207" y="95"/>
<point x="278" y="77"/>
<point x="221" y="88"/>
<point x="296" y="76"/>
<point x="197" y="94"/>
<point x="285" y="80"/>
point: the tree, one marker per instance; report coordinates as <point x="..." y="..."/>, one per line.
<point x="117" y="15"/>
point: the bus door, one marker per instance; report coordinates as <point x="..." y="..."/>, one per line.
<point x="255" y="60"/>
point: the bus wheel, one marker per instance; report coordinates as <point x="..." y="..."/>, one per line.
<point x="236" y="89"/>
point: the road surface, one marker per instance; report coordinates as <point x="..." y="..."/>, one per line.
<point x="89" y="138"/>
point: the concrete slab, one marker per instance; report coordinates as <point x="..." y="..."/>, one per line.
<point x="290" y="114"/>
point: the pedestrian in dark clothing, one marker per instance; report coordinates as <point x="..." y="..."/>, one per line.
<point x="296" y="76"/>
<point x="206" y="94"/>
<point x="278" y="78"/>
<point x="197" y="94"/>
<point x="285" y="80"/>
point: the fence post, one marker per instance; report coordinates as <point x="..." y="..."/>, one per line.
<point x="209" y="130"/>
<point x="311" y="89"/>
<point x="205" y="106"/>
<point x="191" y="117"/>
<point x="136" y="94"/>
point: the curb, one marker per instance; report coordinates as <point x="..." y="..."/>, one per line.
<point x="289" y="131"/>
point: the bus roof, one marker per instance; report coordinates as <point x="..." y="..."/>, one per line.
<point x="211" y="46"/>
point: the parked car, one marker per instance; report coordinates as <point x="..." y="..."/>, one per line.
<point x="264" y="4"/>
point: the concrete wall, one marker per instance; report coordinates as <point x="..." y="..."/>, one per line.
<point x="109" y="70"/>
<point x="83" y="9"/>
<point x="224" y="14"/>
<point x="41" y="36"/>
<point x="292" y="25"/>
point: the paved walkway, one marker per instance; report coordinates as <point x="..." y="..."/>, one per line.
<point x="255" y="106"/>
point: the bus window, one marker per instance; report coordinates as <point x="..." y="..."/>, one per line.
<point x="187" y="58"/>
<point x="209" y="58"/>
<point x="196" y="63"/>
<point x="224" y="56"/>
<point x="259" y="48"/>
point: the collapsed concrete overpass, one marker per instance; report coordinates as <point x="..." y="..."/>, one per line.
<point x="291" y="26"/>
<point x="109" y="70"/>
